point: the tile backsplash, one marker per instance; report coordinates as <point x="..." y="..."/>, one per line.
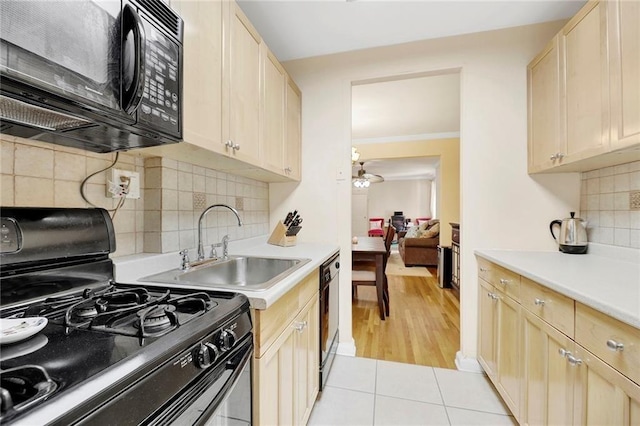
<point x="177" y="193"/>
<point x="173" y="194"/>
<point x="610" y="202"/>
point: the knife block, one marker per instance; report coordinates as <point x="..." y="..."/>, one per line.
<point x="279" y="236"/>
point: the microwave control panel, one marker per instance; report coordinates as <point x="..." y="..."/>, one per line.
<point x="161" y="104"/>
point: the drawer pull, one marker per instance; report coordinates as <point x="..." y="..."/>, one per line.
<point x="539" y="302"/>
<point x="504" y="281"/>
<point x="615" y="346"/>
<point x="493" y="296"/>
<point x="563" y="352"/>
<point x="300" y="326"/>
<point x="483" y="269"/>
<point x="573" y="360"/>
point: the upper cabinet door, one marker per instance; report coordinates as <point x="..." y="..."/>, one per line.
<point x="624" y="39"/>
<point x="543" y="78"/>
<point x="202" y="67"/>
<point x="586" y="90"/>
<point x="242" y="81"/>
<point x="274" y="114"/>
<point x="293" y="146"/>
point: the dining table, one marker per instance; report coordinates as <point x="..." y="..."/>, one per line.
<point x="372" y="249"/>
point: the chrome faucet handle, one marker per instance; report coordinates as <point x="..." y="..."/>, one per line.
<point x="214" y="252"/>
<point x="225" y="247"/>
<point x="184" y="259"/>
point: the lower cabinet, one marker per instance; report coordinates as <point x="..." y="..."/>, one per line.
<point x="499" y="328"/>
<point x="548" y="379"/>
<point x="286" y="364"/>
<point x="535" y="355"/>
<point x="602" y="395"/>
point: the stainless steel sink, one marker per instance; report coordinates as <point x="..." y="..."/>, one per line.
<point x="237" y="272"/>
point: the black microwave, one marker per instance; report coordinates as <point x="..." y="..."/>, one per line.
<point x="101" y="75"/>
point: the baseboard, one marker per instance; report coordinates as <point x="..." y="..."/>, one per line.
<point x="467" y="364"/>
<point x="347" y="348"/>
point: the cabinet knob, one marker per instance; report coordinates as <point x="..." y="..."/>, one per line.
<point x="559" y="156"/>
<point x="483" y="269"/>
<point x="300" y="326"/>
<point x="553" y="157"/>
<point x="287" y="169"/>
<point x="229" y="143"/>
<point x="236" y="147"/>
<point x="615" y="346"/>
<point x="563" y="352"/>
<point x="504" y="281"/>
<point x="492" y="296"/>
<point x="539" y="302"/>
<point x="573" y="360"/>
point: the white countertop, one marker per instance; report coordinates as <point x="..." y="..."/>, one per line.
<point x="129" y="269"/>
<point x="606" y="279"/>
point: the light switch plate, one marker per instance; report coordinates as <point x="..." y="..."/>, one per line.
<point x="634" y="200"/>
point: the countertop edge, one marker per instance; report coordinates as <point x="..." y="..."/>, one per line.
<point x="565" y="290"/>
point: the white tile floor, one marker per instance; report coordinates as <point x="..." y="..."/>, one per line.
<point x="362" y="391"/>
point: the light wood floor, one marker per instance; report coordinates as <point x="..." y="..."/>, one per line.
<point x="423" y="326"/>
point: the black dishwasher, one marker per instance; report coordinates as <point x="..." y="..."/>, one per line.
<point x="329" y="312"/>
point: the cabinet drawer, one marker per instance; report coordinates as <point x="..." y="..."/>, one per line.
<point x="484" y="269"/>
<point x="269" y="323"/>
<point x="600" y="333"/>
<point x="554" y="308"/>
<point x="502" y="279"/>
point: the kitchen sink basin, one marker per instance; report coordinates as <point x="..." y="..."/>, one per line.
<point x="237" y="272"/>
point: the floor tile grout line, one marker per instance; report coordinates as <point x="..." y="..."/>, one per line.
<point x="349" y="389"/>
<point x="444" y="404"/>
<point x="375" y="394"/>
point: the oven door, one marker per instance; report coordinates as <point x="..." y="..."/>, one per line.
<point x="328" y="326"/>
<point x="224" y="394"/>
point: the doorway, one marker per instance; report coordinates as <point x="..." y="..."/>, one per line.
<point x="416" y="118"/>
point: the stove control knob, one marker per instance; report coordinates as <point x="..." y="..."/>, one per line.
<point x="226" y="340"/>
<point x="206" y="354"/>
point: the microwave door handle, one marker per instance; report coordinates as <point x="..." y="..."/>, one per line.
<point x="133" y="97"/>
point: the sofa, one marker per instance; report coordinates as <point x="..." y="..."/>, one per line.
<point x="419" y="247"/>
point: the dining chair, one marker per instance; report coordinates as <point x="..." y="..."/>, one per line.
<point x="376" y="225"/>
<point x="364" y="273"/>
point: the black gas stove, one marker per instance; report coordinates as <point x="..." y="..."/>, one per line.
<point x="110" y="353"/>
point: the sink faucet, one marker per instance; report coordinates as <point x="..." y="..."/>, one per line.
<point x="225" y="240"/>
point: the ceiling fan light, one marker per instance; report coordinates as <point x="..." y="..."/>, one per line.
<point x="355" y="155"/>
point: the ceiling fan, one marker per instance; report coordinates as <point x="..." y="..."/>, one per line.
<point x="364" y="179"/>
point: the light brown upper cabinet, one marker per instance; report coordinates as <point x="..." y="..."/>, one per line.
<point x="273" y="138"/>
<point x="584" y="92"/>
<point x="586" y="81"/>
<point x="543" y="76"/>
<point x="202" y="103"/>
<point x="241" y="118"/>
<point x="293" y="132"/>
<point x="624" y="38"/>
<point x="235" y="96"/>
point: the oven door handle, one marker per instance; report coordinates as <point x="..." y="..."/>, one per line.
<point x="228" y="387"/>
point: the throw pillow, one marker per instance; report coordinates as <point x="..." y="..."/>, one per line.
<point x="412" y="232"/>
<point x="432" y="232"/>
<point x="423" y="226"/>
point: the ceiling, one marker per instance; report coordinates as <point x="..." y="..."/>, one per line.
<point x="302" y="28"/>
<point x="417" y="108"/>
<point x="409" y="109"/>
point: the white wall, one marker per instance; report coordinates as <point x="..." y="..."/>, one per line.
<point x="502" y="206"/>
<point x="412" y="197"/>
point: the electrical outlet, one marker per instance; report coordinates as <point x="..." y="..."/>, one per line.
<point x="121" y="180"/>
